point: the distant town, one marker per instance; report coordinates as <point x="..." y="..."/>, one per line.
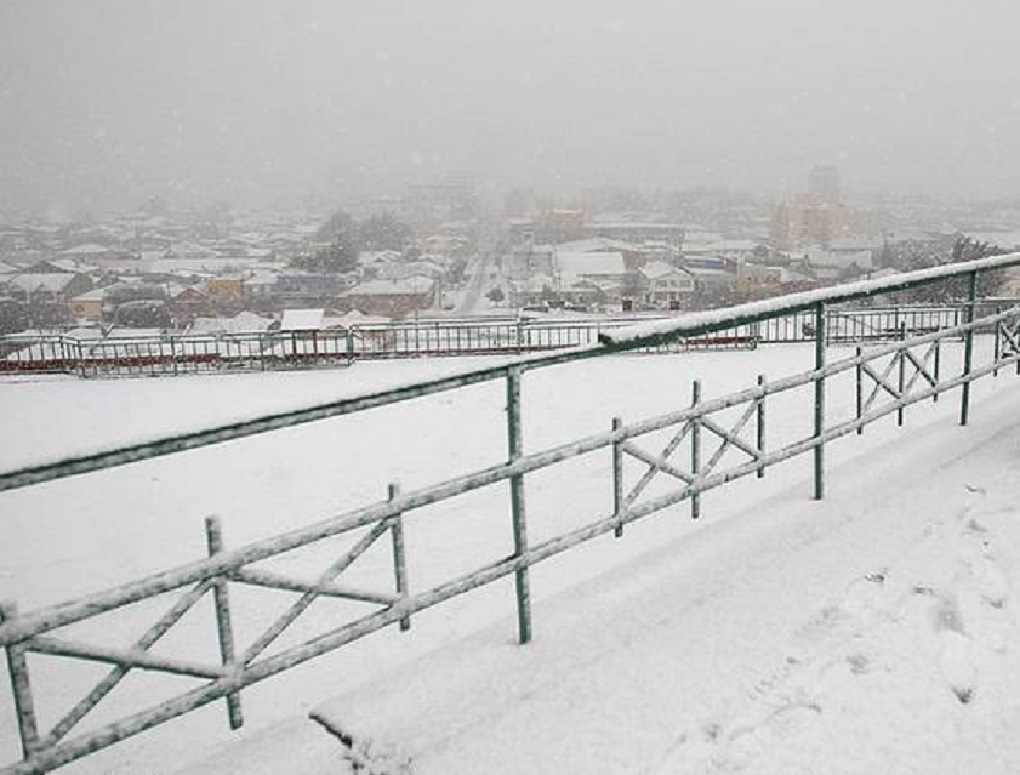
<point x="449" y="250"/>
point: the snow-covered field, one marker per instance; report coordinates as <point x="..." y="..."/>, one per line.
<point x="775" y="635"/>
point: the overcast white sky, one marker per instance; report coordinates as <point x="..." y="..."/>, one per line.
<point x="105" y="102"/>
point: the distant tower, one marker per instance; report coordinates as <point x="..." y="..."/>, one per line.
<point x="823" y="182"/>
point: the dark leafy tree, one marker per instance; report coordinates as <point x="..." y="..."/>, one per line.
<point x="338" y="257"/>
<point x="384" y="232"/>
<point x="960" y="250"/>
<point x="337" y="246"/>
<point x="341" y="238"/>
<point x="457" y="270"/>
<point x="340" y="224"/>
<point x="633" y="285"/>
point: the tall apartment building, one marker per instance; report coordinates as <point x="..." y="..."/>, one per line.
<point x="823" y="182"/>
<point x="808" y="218"/>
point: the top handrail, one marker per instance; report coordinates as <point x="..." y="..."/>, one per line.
<point x="622" y="340"/>
<point x="697" y="323"/>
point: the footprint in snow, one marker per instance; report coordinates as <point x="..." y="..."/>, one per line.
<point x="863" y="600"/>
<point x="956" y="665"/>
<point x="986" y="586"/>
<point x="992" y="582"/>
<point x="955" y="660"/>
<point x="985" y="581"/>
<point x="748" y="739"/>
<point x="783" y="706"/>
<point x="867" y="595"/>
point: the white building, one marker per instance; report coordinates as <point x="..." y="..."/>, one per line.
<point x="667" y="286"/>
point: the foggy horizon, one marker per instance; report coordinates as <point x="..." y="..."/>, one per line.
<point x="108" y="102"/>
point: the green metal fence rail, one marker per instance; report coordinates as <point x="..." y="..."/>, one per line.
<point x="711" y="443"/>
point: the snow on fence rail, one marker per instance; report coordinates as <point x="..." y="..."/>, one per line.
<point x="706" y="449"/>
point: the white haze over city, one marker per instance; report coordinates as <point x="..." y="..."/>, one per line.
<point x="258" y="102"/>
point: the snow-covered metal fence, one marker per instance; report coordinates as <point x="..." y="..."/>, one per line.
<point x="706" y="449"/>
<point x="155" y="355"/>
<point x="151" y="355"/>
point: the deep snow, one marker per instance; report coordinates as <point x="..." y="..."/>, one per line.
<point x="776" y="635"/>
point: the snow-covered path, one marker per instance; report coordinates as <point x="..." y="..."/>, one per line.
<point x="874" y="632"/>
<point x="759" y="633"/>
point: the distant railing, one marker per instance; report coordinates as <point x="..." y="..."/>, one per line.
<point x="186" y="354"/>
<point x="269" y="351"/>
<point x="706" y="449"/>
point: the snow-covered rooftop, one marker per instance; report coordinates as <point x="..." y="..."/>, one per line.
<point x="368" y="257"/>
<point x="356" y="318"/>
<point x="50" y="283"/>
<point x="243" y="322"/>
<point x="580" y="264"/>
<point x="71" y="265"/>
<point x="594" y="244"/>
<point x="653" y="270"/>
<point x="93" y="295"/>
<point x="302" y="320"/>
<point x="261" y="278"/>
<point x="412" y="285"/>
<point x="88" y="250"/>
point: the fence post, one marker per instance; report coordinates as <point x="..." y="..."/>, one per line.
<point x="173" y="354"/>
<point x="902" y="355"/>
<point x="516" y="450"/>
<point x="399" y="556"/>
<point x="696" y="449"/>
<point x="968" y="346"/>
<point x="224" y="629"/>
<point x="760" y="412"/>
<point x="937" y="367"/>
<point x="819" y="401"/>
<point x="17" y="669"/>
<point x="859" y="388"/>
<point x="617" y="478"/>
<point x="998" y="344"/>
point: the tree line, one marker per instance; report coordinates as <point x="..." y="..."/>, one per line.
<point x="342" y="237"/>
<point x="951" y="250"/>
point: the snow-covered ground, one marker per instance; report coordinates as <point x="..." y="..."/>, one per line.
<point x="867" y="633"/>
